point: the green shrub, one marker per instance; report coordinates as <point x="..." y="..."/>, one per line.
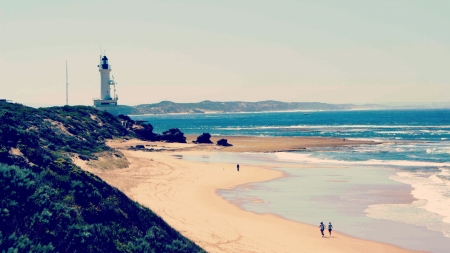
<point x="49" y="204"/>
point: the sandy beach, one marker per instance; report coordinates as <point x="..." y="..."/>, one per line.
<point x="184" y="194"/>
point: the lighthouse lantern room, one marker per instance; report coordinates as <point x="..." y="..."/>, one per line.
<point x="107" y="99"/>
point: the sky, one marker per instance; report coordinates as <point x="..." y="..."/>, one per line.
<point x="189" y="51"/>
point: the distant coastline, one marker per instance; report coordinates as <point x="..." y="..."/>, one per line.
<point x="214" y="107"/>
<point x="217" y="107"/>
<point x="305" y="111"/>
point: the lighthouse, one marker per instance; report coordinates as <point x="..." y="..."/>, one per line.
<point x="107" y="98"/>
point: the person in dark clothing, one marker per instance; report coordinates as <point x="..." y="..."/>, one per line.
<point x="322" y="228"/>
<point x="237" y="167"/>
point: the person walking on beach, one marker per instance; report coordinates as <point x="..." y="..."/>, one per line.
<point x="330" y="228"/>
<point x="322" y="228"/>
<point x="237" y="167"/>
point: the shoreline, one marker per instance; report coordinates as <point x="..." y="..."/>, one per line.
<point x="215" y="223"/>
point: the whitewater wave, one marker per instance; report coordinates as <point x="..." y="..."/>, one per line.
<point x="336" y="127"/>
<point x="308" y="158"/>
<point x="396" y="132"/>
<point x="432" y="191"/>
<point x="438" y="150"/>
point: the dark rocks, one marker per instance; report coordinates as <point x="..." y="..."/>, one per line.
<point x="145" y="132"/>
<point x="84" y="158"/>
<point x="223" y="142"/>
<point x="173" y="135"/>
<point x="203" y="139"/>
<point x="88" y="157"/>
<point x="142" y="148"/>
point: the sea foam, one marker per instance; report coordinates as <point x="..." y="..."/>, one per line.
<point x="308" y="158"/>
<point x="430" y="210"/>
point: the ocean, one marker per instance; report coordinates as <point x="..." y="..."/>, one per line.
<point x="396" y="192"/>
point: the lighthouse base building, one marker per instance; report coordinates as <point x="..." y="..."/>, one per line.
<point x="108" y="99"/>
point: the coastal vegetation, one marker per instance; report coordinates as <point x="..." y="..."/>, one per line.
<point x="49" y="204"/>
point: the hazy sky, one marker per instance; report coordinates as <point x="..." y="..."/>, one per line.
<point x="189" y="51"/>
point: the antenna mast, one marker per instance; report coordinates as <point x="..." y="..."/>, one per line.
<point x="67" y="86"/>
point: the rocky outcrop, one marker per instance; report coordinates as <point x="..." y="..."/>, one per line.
<point x="145" y="132"/>
<point x="203" y="139"/>
<point x="224" y="143"/>
<point x="173" y="135"/>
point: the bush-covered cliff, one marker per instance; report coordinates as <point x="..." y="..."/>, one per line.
<point x="48" y="204"/>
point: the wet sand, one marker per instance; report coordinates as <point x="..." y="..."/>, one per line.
<point x="277" y="144"/>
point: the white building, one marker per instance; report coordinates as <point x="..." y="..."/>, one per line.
<point x="107" y="98"/>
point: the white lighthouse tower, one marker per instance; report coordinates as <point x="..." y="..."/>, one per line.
<point x="107" y="99"/>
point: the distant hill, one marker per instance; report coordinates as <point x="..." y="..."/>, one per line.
<point x="238" y="106"/>
<point x="48" y="204"/>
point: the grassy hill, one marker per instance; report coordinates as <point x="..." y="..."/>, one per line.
<point x="50" y="205"/>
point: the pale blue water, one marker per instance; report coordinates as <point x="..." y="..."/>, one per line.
<point x="361" y="189"/>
